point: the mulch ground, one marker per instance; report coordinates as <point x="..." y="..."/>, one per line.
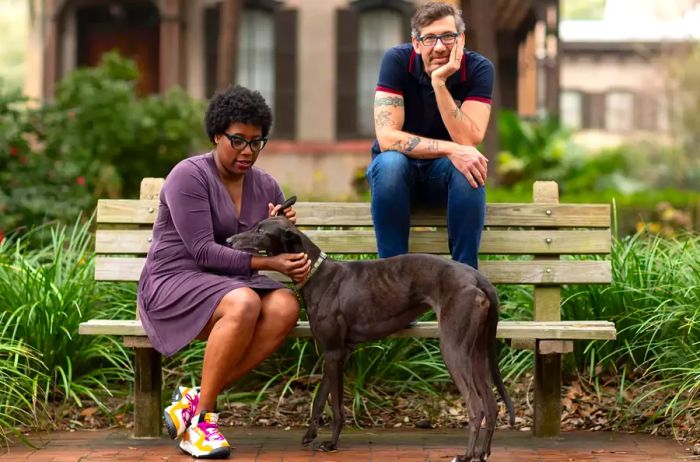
<point x="584" y="407"/>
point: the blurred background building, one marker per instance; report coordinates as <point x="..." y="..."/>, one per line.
<point x="316" y="62"/>
<point x="614" y="77"/>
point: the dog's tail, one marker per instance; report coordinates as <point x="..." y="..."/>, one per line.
<point x="492" y="321"/>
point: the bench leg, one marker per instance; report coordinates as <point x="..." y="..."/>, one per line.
<point x="147" y="394"/>
<point x="547" y="419"/>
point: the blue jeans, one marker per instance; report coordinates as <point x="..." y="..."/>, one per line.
<point x="397" y="182"/>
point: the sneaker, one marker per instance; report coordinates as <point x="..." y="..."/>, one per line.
<point x="179" y="414"/>
<point x="203" y="440"/>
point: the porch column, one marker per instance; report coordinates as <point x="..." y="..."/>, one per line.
<point x="171" y="63"/>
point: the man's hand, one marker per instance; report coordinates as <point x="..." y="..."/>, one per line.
<point x="294" y="265"/>
<point x="440" y="75"/>
<point x="472" y="164"/>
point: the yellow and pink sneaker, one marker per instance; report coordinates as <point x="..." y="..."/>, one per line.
<point x="203" y="440"/>
<point x="178" y="415"/>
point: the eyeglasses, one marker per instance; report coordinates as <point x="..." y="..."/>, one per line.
<point x="239" y="143"/>
<point x="446" y="39"/>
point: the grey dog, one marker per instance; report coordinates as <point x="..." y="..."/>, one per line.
<point x="357" y="301"/>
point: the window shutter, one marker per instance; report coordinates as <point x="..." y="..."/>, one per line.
<point x="585" y="110"/>
<point x="597" y="110"/>
<point x="346" y="73"/>
<point x="285" y="73"/>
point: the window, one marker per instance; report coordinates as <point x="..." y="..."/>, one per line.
<point x="619" y="111"/>
<point x="266" y="59"/>
<point x="256" y="53"/>
<point x="571" y="107"/>
<point x="365" y="30"/>
<point x="378" y="30"/>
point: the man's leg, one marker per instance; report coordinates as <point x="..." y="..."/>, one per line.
<point x="391" y="178"/>
<point x="466" y="209"/>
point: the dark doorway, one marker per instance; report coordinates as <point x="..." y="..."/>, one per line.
<point x="131" y="28"/>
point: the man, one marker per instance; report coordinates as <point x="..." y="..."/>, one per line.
<point x="431" y="109"/>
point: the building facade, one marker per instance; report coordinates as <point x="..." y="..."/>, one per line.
<point x="315" y="61"/>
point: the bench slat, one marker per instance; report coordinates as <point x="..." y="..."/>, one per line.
<point x="358" y="214"/>
<point x="493" y="242"/>
<point x="498" y="271"/>
<point x="544" y="330"/>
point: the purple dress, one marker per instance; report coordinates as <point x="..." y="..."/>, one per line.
<point x="189" y="268"/>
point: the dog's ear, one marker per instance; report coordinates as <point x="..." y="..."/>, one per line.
<point x="291" y="241"/>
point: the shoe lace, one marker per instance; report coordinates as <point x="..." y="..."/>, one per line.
<point x="188" y="412"/>
<point x="211" y="431"/>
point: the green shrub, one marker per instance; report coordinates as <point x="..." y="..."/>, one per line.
<point x="112" y="137"/>
<point x="96" y="139"/>
<point x="653" y="300"/>
<point x="45" y="292"/>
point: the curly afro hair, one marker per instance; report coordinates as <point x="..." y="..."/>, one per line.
<point x="237" y="105"/>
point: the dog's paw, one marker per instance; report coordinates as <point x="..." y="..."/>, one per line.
<point x="327" y="446"/>
<point x="308" y="437"/>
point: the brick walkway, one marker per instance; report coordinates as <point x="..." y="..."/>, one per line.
<point x="399" y="445"/>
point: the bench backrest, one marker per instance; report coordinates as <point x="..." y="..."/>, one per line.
<point x="543" y="229"/>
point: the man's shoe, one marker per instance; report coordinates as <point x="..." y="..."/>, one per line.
<point x="203" y="440"/>
<point x="178" y="415"/>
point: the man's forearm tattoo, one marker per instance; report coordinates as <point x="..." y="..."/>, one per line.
<point x="383" y="119"/>
<point x="396" y="146"/>
<point x="388" y="101"/>
<point x="406" y="146"/>
<point x="459" y="115"/>
<point x="411" y="143"/>
<point x="432" y="145"/>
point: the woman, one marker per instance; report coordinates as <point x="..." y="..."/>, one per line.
<point x="194" y="286"/>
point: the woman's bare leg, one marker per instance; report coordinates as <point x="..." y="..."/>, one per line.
<point x="279" y="314"/>
<point x="228" y="333"/>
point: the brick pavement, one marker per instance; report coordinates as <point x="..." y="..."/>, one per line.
<point x="374" y="445"/>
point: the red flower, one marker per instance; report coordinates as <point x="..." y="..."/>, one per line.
<point x="80" y="180"/>
<point x="13" y="151"/>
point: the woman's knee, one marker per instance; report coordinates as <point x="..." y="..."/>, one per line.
<point x="242" y="306"/>
<point x="283" y="305"/>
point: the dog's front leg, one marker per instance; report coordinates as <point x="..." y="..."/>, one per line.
<point x="334" y="362"/>
<point x="317" y="409"/>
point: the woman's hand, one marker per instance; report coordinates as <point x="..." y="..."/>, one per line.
<point x="289" y="212"/>
<point x="294" y="265"/>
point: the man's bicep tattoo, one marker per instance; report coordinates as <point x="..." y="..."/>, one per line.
<point x="394" y="101"/>
<point x="383" y="119"/>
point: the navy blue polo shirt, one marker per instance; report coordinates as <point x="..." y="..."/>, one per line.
<point x="401" y="73"/>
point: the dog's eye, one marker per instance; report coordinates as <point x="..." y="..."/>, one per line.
<point x="259" y="231"/>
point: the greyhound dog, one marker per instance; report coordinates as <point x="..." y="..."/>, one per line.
<point x="357" y="301"/>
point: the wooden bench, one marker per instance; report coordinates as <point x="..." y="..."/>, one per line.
<point x="544" y="230"/>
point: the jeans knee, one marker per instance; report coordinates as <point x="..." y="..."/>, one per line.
<point x="388" y="169"/>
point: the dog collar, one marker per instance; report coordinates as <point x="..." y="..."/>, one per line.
<point x="321" y="258"/>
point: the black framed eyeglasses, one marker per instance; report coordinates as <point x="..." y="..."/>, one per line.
<point x="431" y="39"/>
<point x="239" y="143"/>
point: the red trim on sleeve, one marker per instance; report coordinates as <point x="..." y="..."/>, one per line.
<point x="479" y="99"/>
<point x="389" y="90"/>
<point x="410" y="60"/>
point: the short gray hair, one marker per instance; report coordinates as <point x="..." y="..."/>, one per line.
<point x="432" y="11"/>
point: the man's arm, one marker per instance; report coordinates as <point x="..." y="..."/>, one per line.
<point x="388" y="120"/>
<point x="466" y="124"/>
